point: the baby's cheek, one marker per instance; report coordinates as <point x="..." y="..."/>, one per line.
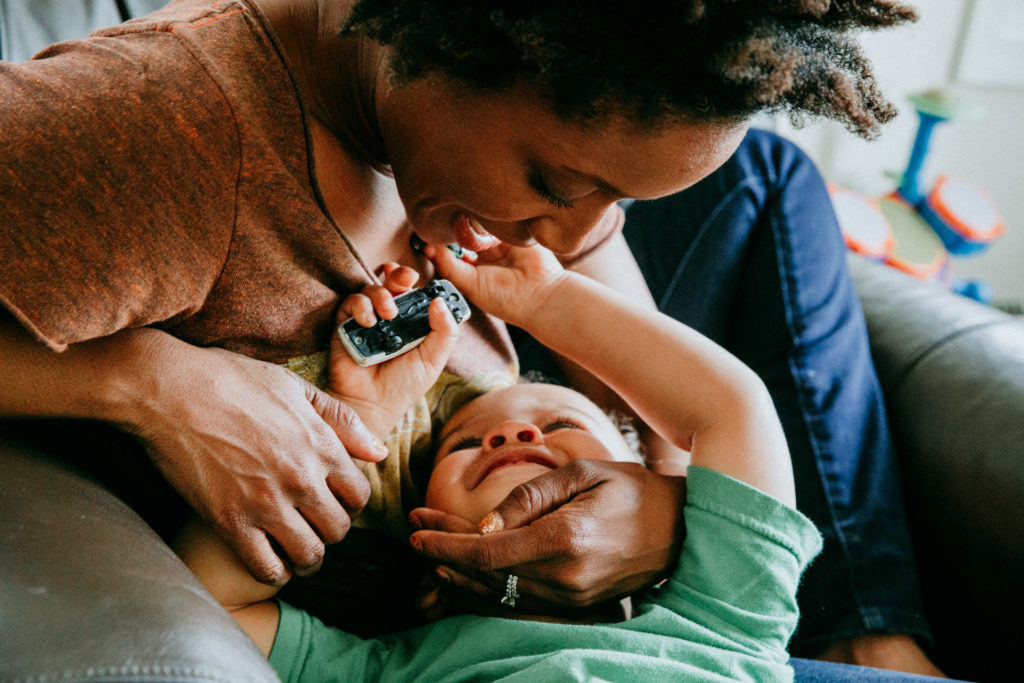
<point x="443" y="487"/>
<point x="579" y="445"/>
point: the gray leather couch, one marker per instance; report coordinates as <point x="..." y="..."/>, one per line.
<point x="953" y="375"/>
<point x="89" y="592"/>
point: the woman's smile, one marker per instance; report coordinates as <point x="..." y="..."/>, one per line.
<point x="467" y="170"/>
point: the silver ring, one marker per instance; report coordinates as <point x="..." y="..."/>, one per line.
<point x="511" y="584"/>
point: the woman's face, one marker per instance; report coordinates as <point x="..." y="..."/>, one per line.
<point x="509" y="436"/>
<point x="474" y="167"/>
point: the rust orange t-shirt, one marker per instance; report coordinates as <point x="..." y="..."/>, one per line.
<point x="160" y="173"/>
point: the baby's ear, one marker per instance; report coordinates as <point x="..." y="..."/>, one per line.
<point x="431" y="600"/>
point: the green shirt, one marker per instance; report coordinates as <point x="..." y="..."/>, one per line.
<point x="726" y="614"/>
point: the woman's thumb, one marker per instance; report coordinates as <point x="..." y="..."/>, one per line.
<point x="533" y="499"/>
<point x="342" y="418"/>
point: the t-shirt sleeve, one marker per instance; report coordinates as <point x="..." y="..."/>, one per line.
<point x="741" y="563"/>
<point x="117" y="186"/>
<point x="306" y="649"/>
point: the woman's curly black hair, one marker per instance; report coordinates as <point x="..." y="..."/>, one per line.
<point x="650" y="61"/>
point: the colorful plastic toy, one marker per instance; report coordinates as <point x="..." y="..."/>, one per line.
<point x="916" y="229"/>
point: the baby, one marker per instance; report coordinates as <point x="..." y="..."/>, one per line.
<point x="729" y="607"/>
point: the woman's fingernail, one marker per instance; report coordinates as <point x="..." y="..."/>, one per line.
<point x="415" y="522"/>
<point x="380" y="447"/>
<point x="415" y="543"/>
<point x="491" y="523"/>
<point x="443" y="574"/>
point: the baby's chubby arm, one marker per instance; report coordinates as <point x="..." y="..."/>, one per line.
<point x="691" y="391"/>
<point x="380" y="395"/>
<point x="225" y="577"/>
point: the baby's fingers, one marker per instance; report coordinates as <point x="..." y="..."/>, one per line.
<point x="451" y="268"/>
<point x="444" y="331"/>
<point x="398" y="279"/>
<point x="441" y="319"/>
<point x="383" y="301"/>
<point x="358" y="306"/>
<point x="373" y="301"/>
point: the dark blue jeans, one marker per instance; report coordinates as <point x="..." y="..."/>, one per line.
<point x="752" y="257"/>
<point x="813" y="671"/>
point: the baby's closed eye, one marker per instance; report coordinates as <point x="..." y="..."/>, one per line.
<point x="561" y="423"/>
<point x="466" y="442"/>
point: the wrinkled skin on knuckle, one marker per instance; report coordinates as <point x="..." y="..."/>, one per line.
<point x="325" y="443"/>
<point x="338" y="530"/>
<point x="296" y="480"/>
<point x="484" y="558"/>
<point x="348" y="480"/>
<point x="344" y="416"/>
<point x="529" y="498"/>
<point x="580" y="598"/>
<point x="577" y="585"/>
<point x="363" y="493"/>
<point x="233" y="525"/>
<point x="574" y="584"/>
<point x="357" y="491"/>
<point x="309" y="555"/>
<point x="584" y="472"/>
<point x="230" y="521"/>
<point x="267" y="570"/>
<point x="577" y="575"/>
<point x="580" y="547"/>
<point x="330" y="521"/>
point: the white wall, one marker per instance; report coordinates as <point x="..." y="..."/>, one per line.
<point x="988" y="153"/>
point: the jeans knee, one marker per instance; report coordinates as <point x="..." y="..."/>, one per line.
<point x="778" y="160"/>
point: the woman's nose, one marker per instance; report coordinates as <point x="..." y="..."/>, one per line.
<point x="512" y="432"/>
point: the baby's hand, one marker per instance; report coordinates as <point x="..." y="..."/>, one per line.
<point x="382" y="393"/>
<point x="507" y="282"/>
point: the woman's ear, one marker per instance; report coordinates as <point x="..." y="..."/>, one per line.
<point x="431" y="599"/>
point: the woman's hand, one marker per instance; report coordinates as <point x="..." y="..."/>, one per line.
<point x="262" y="455"/>
<point x="382" y="393"/>
<point x="507" y="282"/>
<point x="578" y="536"/>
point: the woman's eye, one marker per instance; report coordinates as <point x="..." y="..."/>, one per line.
<point x="540" y="185"/>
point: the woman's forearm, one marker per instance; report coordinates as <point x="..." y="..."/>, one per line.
<point x="88" y="380"/>
<point x="261" y="454"/>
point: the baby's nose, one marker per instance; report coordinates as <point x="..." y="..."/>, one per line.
<point x="512" y="432"/>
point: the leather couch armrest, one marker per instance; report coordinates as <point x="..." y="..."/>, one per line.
<point x="952" y="371"/>
<point x="88" y="592"/>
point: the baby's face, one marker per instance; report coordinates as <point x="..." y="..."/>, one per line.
<point x="509" y="436"/>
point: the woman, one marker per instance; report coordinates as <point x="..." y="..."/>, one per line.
<point x="267" y="161"/>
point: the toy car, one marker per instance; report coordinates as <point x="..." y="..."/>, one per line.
<point x="389" y="338"/>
